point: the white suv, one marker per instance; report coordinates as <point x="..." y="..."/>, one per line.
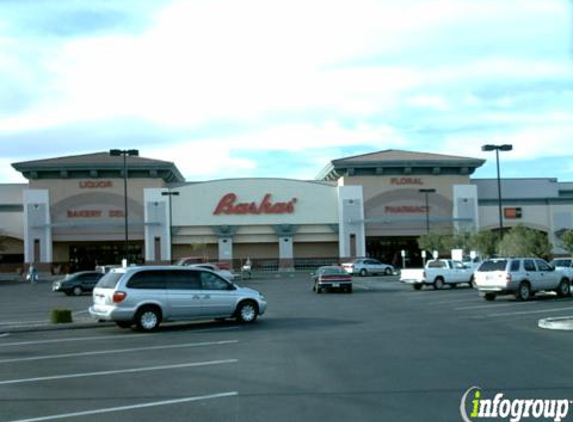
<point x="519" y="276"/>
<point x="146" y="296"/>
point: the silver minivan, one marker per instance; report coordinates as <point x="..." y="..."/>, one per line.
<point x="146" y="296"/>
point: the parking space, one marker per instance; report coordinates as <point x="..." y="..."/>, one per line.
<point x="385" y="352"/>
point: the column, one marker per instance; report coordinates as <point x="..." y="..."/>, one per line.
<point x="351" y="233"/>
<point x="157" y="234"/>
<point x="37" y="229"/>
<point x="285" y="233"/>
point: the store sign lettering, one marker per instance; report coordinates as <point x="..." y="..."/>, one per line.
<point x="406" y="181"/>
<point x="96" y="184"/>
<point x="229" y="205"/>
<point x="94" y="214"/>
<point x="404" y="209"/>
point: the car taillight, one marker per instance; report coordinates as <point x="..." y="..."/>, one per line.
<point x="119" y="296"/>
<point x="508" y="278"/>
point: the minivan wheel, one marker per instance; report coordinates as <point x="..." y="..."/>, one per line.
<point x="523" y="292"/>
<point x="247" y="312"/>
<point x="388" y="271"/>
<point x="148" y="318"/>
<point x="363" y="272"/>
<point x="77" y="291"/>
<point x="564" y="289"/>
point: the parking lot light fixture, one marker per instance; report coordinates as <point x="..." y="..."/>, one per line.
<point x="497" y="148"/>
<point x="125" y="153"/>
<point x="427" y="192"/>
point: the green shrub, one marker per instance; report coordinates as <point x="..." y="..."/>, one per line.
<point x="61" y="316"/>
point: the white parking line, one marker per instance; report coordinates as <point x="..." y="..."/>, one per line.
<point x="449" y="302"/>
<point x="542" y="311"/>
<point x="126" y="408"/>
<point x="491" y="305"/>
<point x="119" y="336"/>
<point x="107" y="352"/>
<point x="120" y="371"/>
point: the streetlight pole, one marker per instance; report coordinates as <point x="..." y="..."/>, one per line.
<point x="497" y="148"/>
<point x="125" y="153"/>
<point x="427" y="192"/>
<point x="170" y="194"/>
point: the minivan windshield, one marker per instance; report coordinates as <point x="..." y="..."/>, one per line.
<point x="498" y="265"/>
<point x="109" y="281"/>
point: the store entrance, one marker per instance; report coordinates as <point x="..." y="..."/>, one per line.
<point x="388" y="250"/>
<point x="88" y="256"/>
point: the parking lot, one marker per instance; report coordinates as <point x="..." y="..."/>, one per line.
<point x="383" y="353"/>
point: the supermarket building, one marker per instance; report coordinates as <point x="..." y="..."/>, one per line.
<point x="71" y="213"/>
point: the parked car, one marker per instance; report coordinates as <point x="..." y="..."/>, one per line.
<point x="331" y="277"/>
<point x="77" y="283"/>
<point x="438" y="273"/>
<point x="147" y="296"/>
<point x="564" y="265"/>
<point x="368" y="266"/>
<point x="215" y="268"/>
<point x="522" y="277"/>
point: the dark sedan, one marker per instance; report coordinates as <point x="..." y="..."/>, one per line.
<point x="77" y="283"/>
<point x="332" y="277"/>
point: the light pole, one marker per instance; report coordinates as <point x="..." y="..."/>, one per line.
<point x="170" y="194"/>
<point x="125" y="153"/>
<point x="497" y="148"/>
<point x="427" y="192"/>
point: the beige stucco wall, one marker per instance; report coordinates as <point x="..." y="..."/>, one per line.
<point x="399" y="209"/>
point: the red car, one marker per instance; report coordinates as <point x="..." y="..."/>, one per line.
<point x="332" y="278"/>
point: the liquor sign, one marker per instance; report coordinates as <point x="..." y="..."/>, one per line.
<point x="230" y="206"/>
<point x="512" y="213"/>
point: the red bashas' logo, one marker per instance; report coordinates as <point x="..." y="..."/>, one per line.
<point x="229" y="205"/>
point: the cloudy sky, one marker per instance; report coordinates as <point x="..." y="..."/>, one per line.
<point x="235" y="88"/>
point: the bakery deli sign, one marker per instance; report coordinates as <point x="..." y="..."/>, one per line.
<point x="230" y="204"/>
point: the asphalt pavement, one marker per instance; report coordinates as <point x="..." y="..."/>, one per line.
<point x="382" y="353"/>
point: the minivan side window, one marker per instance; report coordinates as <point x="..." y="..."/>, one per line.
<point x="211" y="281"/>
<point x="147" y="280"/>
<point x="528" y="265"/>
<point x="182" y="280"/>
<point x="514" y="266"/>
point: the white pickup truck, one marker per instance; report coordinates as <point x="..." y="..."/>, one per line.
<point x="438" y="273"/>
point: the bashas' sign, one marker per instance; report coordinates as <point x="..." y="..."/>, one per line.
<point x="229" y="205"/>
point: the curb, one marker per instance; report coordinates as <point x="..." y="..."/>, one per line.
<point x="559" y="323"/>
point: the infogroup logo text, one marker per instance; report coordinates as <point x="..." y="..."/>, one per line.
<point x="475" y="407"/>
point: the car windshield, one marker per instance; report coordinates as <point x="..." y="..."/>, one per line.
<point x="109" y="281"/>
<point x="498" y="265"/>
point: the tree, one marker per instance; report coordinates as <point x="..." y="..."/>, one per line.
<point x="485" y="242"/>
<point x="566" y="240"/>
<point x="435" y="242"/>
<point x="523" y="241"/>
